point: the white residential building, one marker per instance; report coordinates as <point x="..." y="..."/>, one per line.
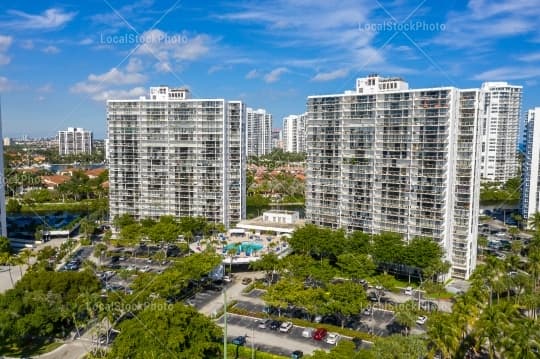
<point x="173" y="155"/>
<point x="530" y="194"/>
<point x="294" y="133"/>
<point x="500" y="131"/>
<point x="74" y="141"/>
<point x="389" y="158"/>
<point x="259" y="132"/>
<point x="277" y="138"/>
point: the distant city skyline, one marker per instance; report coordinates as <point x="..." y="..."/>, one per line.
<point x="60" y="61"/>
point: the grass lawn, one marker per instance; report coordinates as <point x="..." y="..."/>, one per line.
<point x="38" y="350"/>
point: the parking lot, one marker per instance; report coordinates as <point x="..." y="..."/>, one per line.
<point x="375" y="323"/>
<point x="272" y="341"/>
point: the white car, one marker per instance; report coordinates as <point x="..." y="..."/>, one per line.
<point x="408" y="291"/>
<point x="332" y="338"/>
<point x="285" y="327"/>
<point x="421" y="320"/>
<point x="265" y="323"/>
<point x="307" y="332"/>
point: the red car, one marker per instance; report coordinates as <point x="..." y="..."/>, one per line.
<point x="319" y="334"/>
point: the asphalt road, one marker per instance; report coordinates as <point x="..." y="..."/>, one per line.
<point x="269" y="340"/>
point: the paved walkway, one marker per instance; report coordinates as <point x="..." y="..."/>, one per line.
<point x="234" y="292"/>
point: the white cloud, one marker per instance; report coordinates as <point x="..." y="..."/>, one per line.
<point x="484" y="22"/>
<point x="131" y="12"/>
<point x="51" y="50"/>
<point x="45" y="88"/>
<point x="533" y="57"/>
<point x="27" y="44"/>
<point x="5" y="43"/>
<point x="252" y="74"/>
<point x="217" y="68"/>
<point x="509" y="73"/>
<point x="329" y="27"/>
<point x="50" y="19"/>
<point x="172" y="49"/>
<point x="106" y="85"/>
<point x="163" y="67"/>
<point x="134" y="65"/>
<point x="133" y="93"/>
<point x="5" y="85"/>
<point x="86" y="41"/>
<point x="275" y="74"/>
<point x="332" y="75"/>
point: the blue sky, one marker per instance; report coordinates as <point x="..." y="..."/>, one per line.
<point x="59" y="61"/>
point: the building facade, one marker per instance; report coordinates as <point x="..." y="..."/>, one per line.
<point x="277" y="138"/>
<point x="259" y="132"/>
<point x="530" y="193"/>
<point x="294" y="133"/>
<point x="500" y="131"/>
<point x="74" y="141"/>
<point x="388" y="158"/>
<point x="173" y="155"/>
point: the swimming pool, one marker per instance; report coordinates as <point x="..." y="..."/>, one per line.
<point x="247" y="247"/>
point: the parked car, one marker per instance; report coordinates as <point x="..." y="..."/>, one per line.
<point x="368" y="311"/>
<point x="297" y="354"/>
<point x="239" y="340"/>
<point x="307" y="332"/>
<point x="421" y="320"/>
<point x="265" y="323"/>
<point x="357" y="342"/>
<point x="285" y="327"/>
<point x="246" y="281"/>
<point x="408" y="291"/>
<point x="275" y="324"/>
<point x="320" y="334"/>
<point x="332" y="338"/>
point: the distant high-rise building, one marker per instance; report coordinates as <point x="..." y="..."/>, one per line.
<point x="173" y="155"/>
<point x="500" y="131"/>
<point x="277" y="138"/>
<point x="530" y="194"/>
<point x="259" y="132"/>
<point x="386" y="158"/>
<point x="7" y="141"/>
<point x="74" y="141"/>
<point x="294" y="133"/>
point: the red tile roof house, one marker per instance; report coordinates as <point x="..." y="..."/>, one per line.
<point x="52" y="182"/>
<point x="94" y="173"/>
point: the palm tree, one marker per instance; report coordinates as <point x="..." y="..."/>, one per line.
<point x="406" y="317"/>
<point x="523" y="341"/>
<point x="534" y="222"/>
<point x="493" y="324"/>
<point x="231" y="253"/>
<point x="7" y="259"/>
<point x="443" y="335"/>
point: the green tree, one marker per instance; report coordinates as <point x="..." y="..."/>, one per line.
<point x="345" y="299"/>
<point x="5" y="245"/>
<point x="269" y="263"/>
<point x="406" y="315"/>
<point x="443" y="334"/>
<point x="169" y="331"/>
<point x="13" y="206"/>
<point x="400" y="347"/>
<point x="356" y="266"/>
